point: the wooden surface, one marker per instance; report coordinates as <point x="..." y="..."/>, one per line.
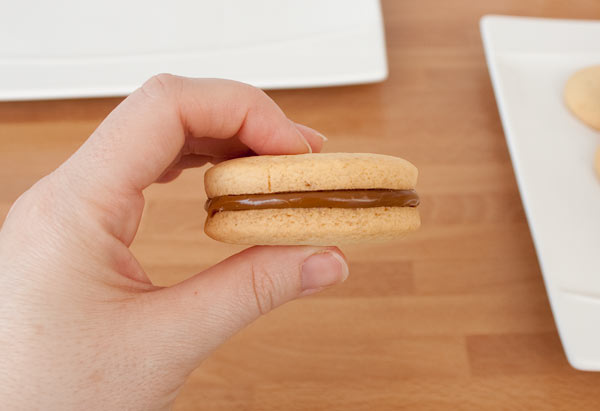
<point x="455" y="316"/>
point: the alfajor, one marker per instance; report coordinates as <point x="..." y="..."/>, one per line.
<point x="316" y="199"/>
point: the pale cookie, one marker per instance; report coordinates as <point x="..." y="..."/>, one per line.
<point x="312" y="226"/>
<point x="582" y="95"/>
<point x="318" y="199"/>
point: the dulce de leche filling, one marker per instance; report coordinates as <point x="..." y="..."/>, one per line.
<point x="314" y="199"/>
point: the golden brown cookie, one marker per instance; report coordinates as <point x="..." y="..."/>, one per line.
<point x="318" y="199"/>
<point x="582" y="95"/>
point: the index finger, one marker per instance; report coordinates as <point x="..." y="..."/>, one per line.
<point x="136" y="143"/>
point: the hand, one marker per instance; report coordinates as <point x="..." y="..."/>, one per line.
<point x="81" y="325"/>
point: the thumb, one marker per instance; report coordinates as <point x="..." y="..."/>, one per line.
<point x="199" y="314"/>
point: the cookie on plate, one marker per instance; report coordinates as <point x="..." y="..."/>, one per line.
<point x="582" y="95"/>
<point x="317" y="199"/>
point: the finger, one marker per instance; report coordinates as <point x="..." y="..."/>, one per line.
<point x="205" y="310"/>
<point x="142" y="136"/>
<point x="196" y="152"/>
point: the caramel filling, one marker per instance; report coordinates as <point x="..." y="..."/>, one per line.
<point x="314" y="199"/>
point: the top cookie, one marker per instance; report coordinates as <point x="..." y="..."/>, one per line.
<point x="309" y="172"/>
<point x="582" y="95"/>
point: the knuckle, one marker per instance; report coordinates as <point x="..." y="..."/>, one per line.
<point x="259" y="95"/>
<point x="263" y="288"/>
<point x="249" y="92"/>
<point x="38" y="213"/>
<point x="40" y="200"/>
<point x="161" y="85"/>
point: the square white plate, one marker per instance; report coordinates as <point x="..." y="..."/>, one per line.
<point x="529" y="60"/>
<point x="74" y="48"/>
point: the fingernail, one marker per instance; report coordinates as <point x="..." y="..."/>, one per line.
<point x="322" y="137"/>
<point x="323" y="270"/>
<point x="302" y="127"/>
<point x="305" y="141"/>
<point x="301" y="136"/>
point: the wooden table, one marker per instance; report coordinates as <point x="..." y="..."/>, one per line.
<point x="455" y="316"/>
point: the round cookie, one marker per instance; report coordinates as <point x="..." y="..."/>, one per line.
<point x="582" y="95"/>
<point x="373" y="199"/>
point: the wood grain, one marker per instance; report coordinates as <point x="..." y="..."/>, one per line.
<point x="455" y="316"/>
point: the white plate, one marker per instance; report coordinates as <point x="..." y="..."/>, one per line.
<point x="530" y="60"/>
<point x="71" y="48"/>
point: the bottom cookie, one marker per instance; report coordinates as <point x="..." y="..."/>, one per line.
<point x="312" y="226"/>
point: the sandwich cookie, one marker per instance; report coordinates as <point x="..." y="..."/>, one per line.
<point x="314" y="199"/>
